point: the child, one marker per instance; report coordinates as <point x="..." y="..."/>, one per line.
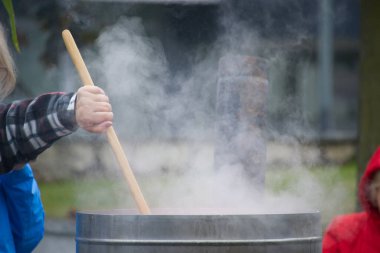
<point x="359" y="232"/>
<point x="27" y="128"/>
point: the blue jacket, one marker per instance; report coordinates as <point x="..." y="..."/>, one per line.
<point x="21" y="212"/>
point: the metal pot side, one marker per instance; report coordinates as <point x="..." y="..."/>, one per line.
<point x="115" y="231"/>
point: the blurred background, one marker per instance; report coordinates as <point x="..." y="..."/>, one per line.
<point x="158" y="60"/>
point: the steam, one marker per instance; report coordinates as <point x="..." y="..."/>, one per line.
<point x="169" y="132"/>
<point x="136" y="72"/>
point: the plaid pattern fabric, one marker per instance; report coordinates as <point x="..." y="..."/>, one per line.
<point x="28" y="127"/>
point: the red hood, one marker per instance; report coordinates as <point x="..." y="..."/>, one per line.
<point x="372" y="167"/>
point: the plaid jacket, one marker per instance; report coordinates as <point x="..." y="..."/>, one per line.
<point x="28" y="127"/>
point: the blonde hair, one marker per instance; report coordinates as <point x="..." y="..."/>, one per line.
<point x="7" y="67"/>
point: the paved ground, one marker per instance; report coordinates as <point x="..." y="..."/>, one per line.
<point x="59" y="237"/>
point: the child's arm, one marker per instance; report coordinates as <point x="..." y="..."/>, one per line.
<point x="29" y="127"/>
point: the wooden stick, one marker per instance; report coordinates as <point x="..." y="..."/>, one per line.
<point x="111" y="134"/>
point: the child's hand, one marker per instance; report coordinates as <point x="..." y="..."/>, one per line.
<point x="93" y="112"/>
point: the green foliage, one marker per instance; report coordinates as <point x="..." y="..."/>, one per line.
<point x="336" y="186"/>
<point x="61" y="199"/>
<point x="8" y="5"/>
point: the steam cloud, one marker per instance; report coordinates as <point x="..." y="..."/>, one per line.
<point x="173" y="132"/>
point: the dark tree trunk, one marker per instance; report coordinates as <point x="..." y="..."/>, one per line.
<point x="369" y="98"/>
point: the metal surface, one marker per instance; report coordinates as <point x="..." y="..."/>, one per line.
<point x="117" y="231"/>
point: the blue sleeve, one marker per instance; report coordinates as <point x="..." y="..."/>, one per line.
<point x="6" y="238"/>
<point x="25" y="208"/>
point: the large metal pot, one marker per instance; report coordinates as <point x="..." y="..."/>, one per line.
<point x="117" y="231"/>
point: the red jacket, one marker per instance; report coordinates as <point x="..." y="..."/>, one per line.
<point x="359" y="232"/>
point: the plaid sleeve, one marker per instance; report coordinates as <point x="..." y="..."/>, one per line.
<point x="28" y="127"/>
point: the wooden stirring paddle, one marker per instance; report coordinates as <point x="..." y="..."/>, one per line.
<point x="111" y="134"/>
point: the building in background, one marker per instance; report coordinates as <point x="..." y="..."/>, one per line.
<point x="311" y="47"/>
